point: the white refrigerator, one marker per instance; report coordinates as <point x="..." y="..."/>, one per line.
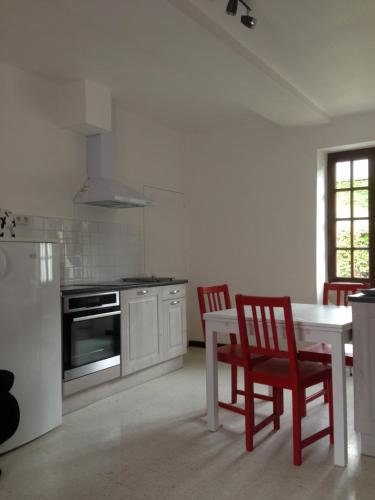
<point x="30" y="334"/>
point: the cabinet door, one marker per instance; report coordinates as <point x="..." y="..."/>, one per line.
<point x="364" y="374"/>
<point x="174" y="320"/>
<point x="141" y="342"/>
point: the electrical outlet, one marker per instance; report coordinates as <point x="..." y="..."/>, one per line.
<point x="22" y="220"/>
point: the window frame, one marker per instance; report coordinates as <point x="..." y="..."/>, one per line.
<point x="332" y="159"/>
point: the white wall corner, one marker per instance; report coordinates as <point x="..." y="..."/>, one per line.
<point x="321" y="230"/>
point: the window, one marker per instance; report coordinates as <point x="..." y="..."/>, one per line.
<point x="351" y="215"/>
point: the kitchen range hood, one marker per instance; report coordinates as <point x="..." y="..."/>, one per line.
<point x="101" y="187"/>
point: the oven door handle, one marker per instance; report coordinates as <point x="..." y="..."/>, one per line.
<point x="94" y="316"/>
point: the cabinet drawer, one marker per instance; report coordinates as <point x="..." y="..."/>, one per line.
<point x="136" y="293"/>
<point x="172" y="291"/>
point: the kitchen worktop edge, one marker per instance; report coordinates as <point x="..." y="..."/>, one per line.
<point x="73" y="290"/>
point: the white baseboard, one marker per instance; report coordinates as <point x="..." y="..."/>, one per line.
<point x="86" y="397"/>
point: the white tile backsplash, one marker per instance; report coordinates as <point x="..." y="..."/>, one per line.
<point x="91" y="250"/>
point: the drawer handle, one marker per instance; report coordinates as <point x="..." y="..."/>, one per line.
<point x="175" y="302"/>
<point x="173" y="292"/>
<point x="142" y="292"/>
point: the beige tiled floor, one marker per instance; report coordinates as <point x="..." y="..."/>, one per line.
<point x="151" y="442"/>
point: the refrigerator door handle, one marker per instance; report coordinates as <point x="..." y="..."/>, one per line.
<point x="3" y="263"/>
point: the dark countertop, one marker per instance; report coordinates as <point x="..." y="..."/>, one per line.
<point x="115" y="285"/>
<point x="361" y="297"/>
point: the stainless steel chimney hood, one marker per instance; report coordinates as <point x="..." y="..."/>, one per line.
<point x="101" y="187"/>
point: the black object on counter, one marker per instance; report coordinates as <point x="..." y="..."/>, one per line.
<point x="9" y="409"/>
<point x="365" y="295"/>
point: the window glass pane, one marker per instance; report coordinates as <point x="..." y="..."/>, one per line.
<point x="343" y="239"/>
<point x="343" y="204"/>
<point x="342" y="174"/>
<point x="360" y="233"/>
<point x="360" y="173"/>
<point x="361" y="263"/>
<point x="343" y="264"/>
<point x="360" y="203"/>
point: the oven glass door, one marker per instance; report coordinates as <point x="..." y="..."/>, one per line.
<point x="90" y="339"/>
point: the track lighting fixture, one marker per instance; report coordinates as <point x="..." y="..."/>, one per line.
<point x="246" y="20"/>
<point x="232" y="7"/>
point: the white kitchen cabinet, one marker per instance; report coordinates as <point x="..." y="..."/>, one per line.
<point x="153" y="326"/>
<point x="364" y="371"/>
<point x="141" y="342"/>
<point x="174" y="327"/>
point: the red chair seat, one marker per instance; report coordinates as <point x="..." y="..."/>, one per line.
<point x="229" y="352"/>
<point x="279" y="369"/>
<point x="232" y="353"/>
<point x="322" y="353"/>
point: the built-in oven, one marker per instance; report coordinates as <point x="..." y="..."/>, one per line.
<point x="91" y="333"/>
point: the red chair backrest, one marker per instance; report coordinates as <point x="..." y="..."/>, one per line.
<point x="342" y="290"/>
<point x="213" y="298"/>
<point x="266" y="313"/>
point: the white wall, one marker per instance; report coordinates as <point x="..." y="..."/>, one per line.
<point x="308" y="147"/>
<point x="251" y="191"/>
<point x="236" y="231"/>
<point x="252" y="196"/>
<point x="43" y="165"/>
<point x="148" y="154"/>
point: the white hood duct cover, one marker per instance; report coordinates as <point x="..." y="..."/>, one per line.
<point x="101" y="187"/>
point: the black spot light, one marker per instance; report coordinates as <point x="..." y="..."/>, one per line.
<point x="247" y="20"/>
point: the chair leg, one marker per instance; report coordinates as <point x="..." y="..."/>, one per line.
<point x="281" y="402"/>
<point x="326" y="390"/>
<point x="303" y="404"/>
<point x="249" y="414"/>
<point x="330" y="409"/>
<point x="297" y="448"/>
<point x="234" y="383"/>
<point x="276" y="407"/>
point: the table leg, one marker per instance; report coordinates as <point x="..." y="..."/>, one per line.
<point x="339" y="401"/>
<point x="211" y="379"/>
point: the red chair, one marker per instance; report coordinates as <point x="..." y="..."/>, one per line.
<point x="216" y="298"/>
<point x="341" y="291"/>
<point x="322" y="352"/>
<point x="282" y="371"/>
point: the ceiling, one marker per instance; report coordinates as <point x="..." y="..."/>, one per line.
<point x="188" y="65"/>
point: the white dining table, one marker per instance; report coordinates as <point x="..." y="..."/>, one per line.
<point x="312" y="323"/>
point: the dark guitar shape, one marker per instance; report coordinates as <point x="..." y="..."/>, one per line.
<point x="9" y="409"/>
